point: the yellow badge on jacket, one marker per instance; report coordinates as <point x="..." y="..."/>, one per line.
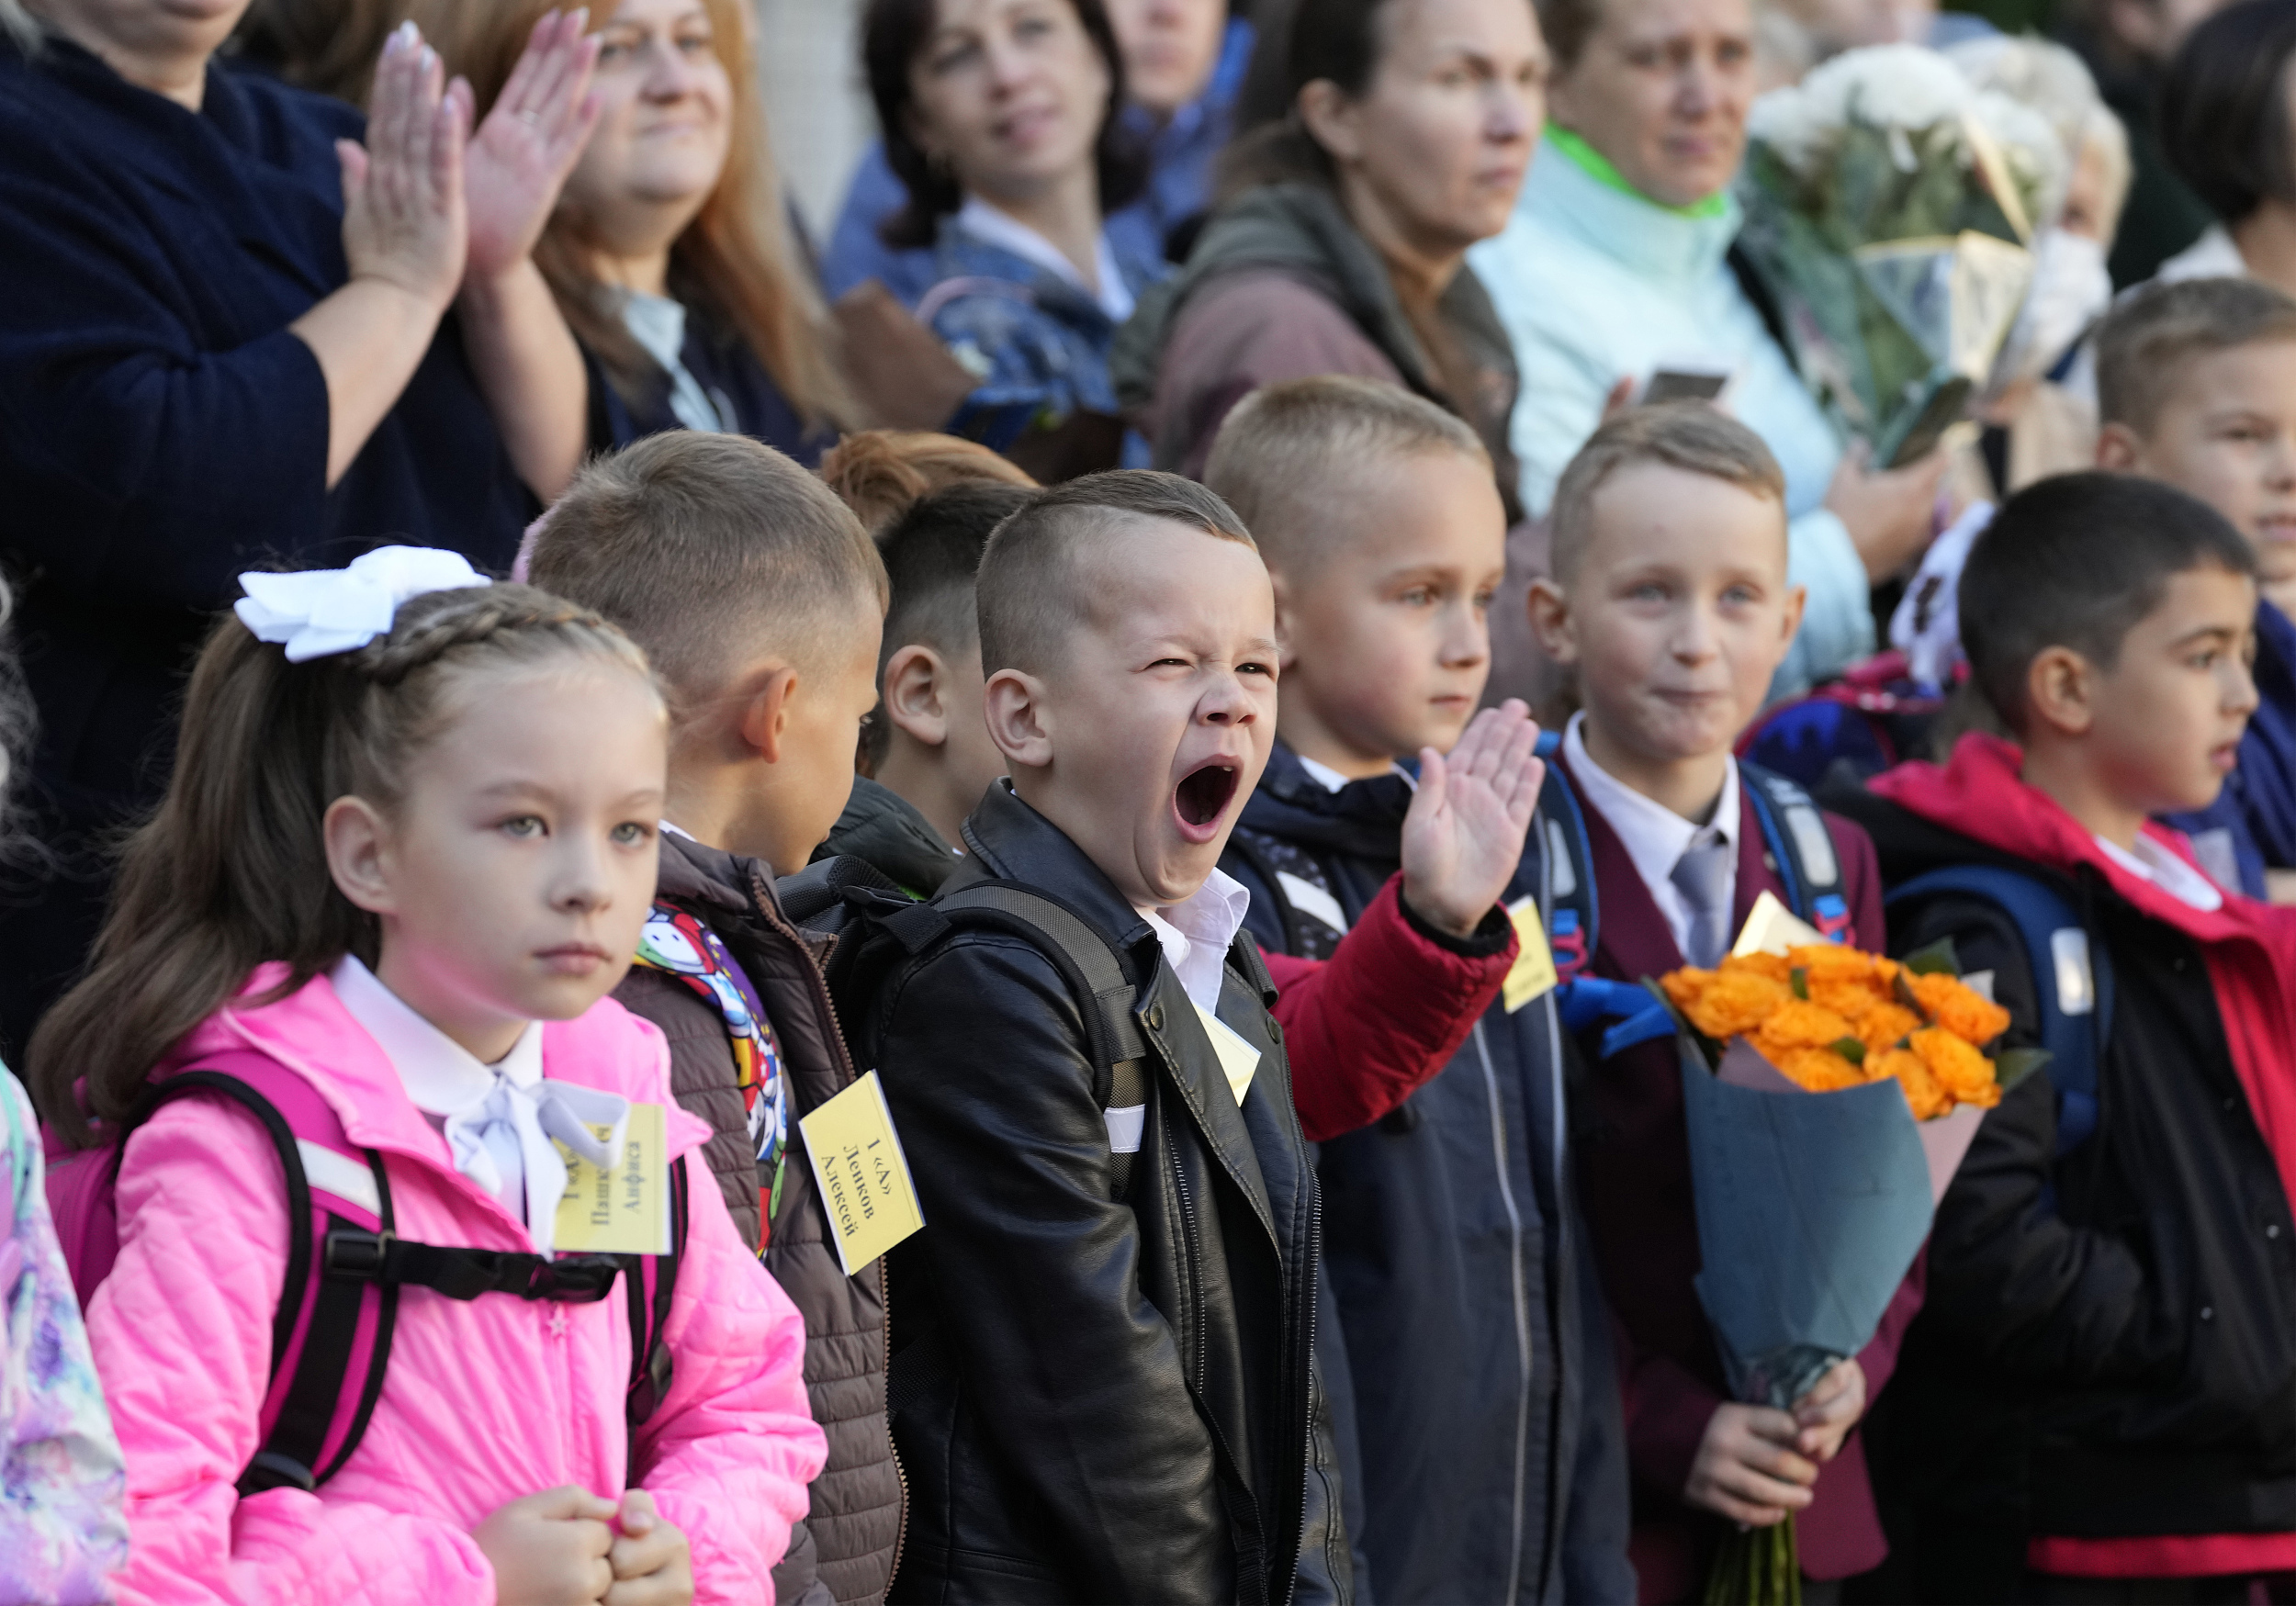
<point x="1238" y="1059"/>
<point x="1533" y="974"/>
<point x="862" y="1174"/>
<point x="623" y="1208"/>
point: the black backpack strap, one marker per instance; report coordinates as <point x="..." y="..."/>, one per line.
<point x="1091" y="966"/>
<point x="1793" y="829"/>
<point x="649" y="1309"/>
<point x="290" y="1456"/>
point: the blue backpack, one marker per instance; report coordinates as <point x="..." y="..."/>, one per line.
<point x="2072" y="978"/>
<point x="1793" y="829"/>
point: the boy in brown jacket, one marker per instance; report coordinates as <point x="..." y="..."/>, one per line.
<point x="760" y="600"/>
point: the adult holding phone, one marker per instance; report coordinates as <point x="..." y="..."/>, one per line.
<point x="1619" y="263"/>
<point x="244" y="328"/>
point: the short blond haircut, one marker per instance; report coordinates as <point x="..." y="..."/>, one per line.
<point x="1687" y="435"/>
<point x="1035" y="586"/>
<point x="707" y="548"/>
<point x="2153" y="332"/>
<point x="1288" y="449"/>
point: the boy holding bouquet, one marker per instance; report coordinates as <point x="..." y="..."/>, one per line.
<point x="1669" y="597"/>
<point x="2100" y="1402"/>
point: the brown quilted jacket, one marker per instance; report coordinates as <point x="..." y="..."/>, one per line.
<point x="845" y="1550"/>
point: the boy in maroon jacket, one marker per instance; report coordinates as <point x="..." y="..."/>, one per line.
<point x="1670" y="598"/>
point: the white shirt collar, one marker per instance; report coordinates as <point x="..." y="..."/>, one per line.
<point x="1196" y="933"/>
<point x="499" y="1120"/>
<point x="440" y="1075"/>
<point x="1331" y="779"/>
<point x="987" y="224"/>
<point x="2156" y="862"/>
<point x="1654" y="835"/>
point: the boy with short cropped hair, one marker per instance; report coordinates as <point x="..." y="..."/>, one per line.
<point x="757" y="597"/>
<point x="2100" y="1402"/>
<point x="926" y="751"/>
<point x="1483" y="1398"/>
<point x="1669" y="598"/>
<point x="2196" y="385"/>
<point x="1144" y="1271"/>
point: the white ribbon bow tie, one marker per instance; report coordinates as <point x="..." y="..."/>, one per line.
<point x="502" y="1141"/>
<point x="325" y="611"/>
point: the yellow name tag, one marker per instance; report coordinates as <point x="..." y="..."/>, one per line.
<point x="862" y="1174"/>
<point x="623" y="1208"/>
<point x="1238" y="1059"/>
<point x="1771" y="927"/>
<point x="1533" y="974"/>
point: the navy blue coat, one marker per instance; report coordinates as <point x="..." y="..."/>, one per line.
<point x="161" y="430"/>
<point x="728" y="372"/>
<point x="1489" y="1453"/>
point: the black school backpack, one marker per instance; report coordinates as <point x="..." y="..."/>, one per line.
<point x="876" y="928"/>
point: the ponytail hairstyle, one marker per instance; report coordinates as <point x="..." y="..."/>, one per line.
<point x="1342" y="40"/>
<point x="231" y="872"/>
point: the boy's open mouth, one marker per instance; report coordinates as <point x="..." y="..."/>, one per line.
<point x="1203" y="795"/>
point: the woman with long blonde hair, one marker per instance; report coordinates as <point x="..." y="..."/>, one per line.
<point x="669" y="252"/>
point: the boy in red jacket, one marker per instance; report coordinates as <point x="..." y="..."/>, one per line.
<point x="2100" y="1402"/>
<point x="1670" y="596"/>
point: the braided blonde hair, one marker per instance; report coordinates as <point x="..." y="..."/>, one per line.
<point x="231" y="872"/>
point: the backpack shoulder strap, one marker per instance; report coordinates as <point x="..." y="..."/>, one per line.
<point x="1092" y="968"/>
<point x="1574" y="910"/>
<point x="1794" y="831"/>
<point x="2072" y="978"/>
<point x="327" y="1329"/>
<point x="651" y="1282"/>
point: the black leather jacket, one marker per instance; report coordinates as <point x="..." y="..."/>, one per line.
<point x="1099" y="1399"/>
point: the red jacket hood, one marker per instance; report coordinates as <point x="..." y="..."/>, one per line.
<point x="1981" y="793"/>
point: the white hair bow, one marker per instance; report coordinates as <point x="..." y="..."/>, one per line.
<point x="325" y="611"/>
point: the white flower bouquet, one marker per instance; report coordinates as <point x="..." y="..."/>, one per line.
<point x="1888" y="203"/>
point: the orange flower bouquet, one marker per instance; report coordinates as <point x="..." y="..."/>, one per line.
<point x="1830" y="1095"/>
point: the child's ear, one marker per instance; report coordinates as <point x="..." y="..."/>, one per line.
<point x="765" y="716"/>
<point x="358" y="853"/>
<point x="1797" y="602"/>
<point x="2118" y="448"/>
<point x="1019" y="721"/>
<point x="1551" y="621"/>
<point x="1285" y="656"/>
<point x="2061" y="689"/>
<point x="916" y="682"/>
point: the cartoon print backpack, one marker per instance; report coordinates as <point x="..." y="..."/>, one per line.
<point x="678" y="944"/>
<point x="331" y="1336"/>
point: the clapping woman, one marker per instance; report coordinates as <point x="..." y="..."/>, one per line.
<point x="234" y="333"/>
<point x="668" y="250"/>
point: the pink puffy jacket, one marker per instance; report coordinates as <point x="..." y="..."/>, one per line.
<point x="485" y="1402"/>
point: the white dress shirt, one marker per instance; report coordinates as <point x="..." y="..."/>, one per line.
<point x="498" y="1119"/>
<point x="1654" y="835"/>
<point x="1195" y="934"/>
<point x="2156" y="863"/>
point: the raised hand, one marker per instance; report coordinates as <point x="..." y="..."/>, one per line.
<point x="403" y="223"/>
<point x="521" y="154"/>
<point x="1463" y="835"/>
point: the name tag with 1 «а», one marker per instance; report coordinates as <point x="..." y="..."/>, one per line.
<point x="862" y="1174"/>
<point x="623" y="1208"/>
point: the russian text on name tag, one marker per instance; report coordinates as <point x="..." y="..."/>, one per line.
<point x="862" y="1174"/>
<point x="623" y="1208"/>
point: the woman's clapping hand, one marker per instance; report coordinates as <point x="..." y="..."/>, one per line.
<point x="403" y="212"/>
<point x="530" y="140"/>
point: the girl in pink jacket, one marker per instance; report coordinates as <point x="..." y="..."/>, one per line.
<point x="405" y="855"/>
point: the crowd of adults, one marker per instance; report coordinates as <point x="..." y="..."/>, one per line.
<point x="290" y="278"/>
